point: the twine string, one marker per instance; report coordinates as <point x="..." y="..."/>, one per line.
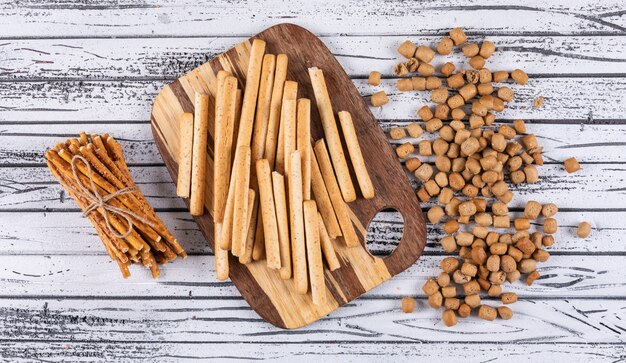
<point x="99" y="201"/>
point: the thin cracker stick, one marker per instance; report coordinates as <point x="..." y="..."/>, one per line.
<point x="110" y="183"/>
<point x="226" y="241"/>
<point x="341" y="208"/>
<point x="282" y="218"/>
<point x="248" y="107"/>
<point x="290" y="92"/>
<point x="314" y="253"/>
<point x="304" y="144"/>
<point x="332" y="134"/>
<point x="227" y="230"/>
<point x="356" y="156"/>
<point x="298" y="248"/>
<point x="290" y="130"/>
<point x="221" y="256"/>
<point x="257" y="239"/>
<point x="83" y="140"/>
<point x="322" y="198"/>
<point x="185" y="128"/>
<point x="263" y="107"/>
<point x="238" y="101"/>
<point x="256" y="235"/>
<point x="120" y="246"/>
<point x="224" y="124"/>
<point x="199" y="154"/>
<point x="247" y="251"/>
<point x="124" y="268"/>
<point x="118" y="157"/>
<point x="133" y="239"/>
<point x="105" y="159"/>
<point x="270" y="226"/>
<point x="240" y="208"/>
<point x="327" y="246"/>
<point x="60" y="159"/>
<point x="271" y="140"/>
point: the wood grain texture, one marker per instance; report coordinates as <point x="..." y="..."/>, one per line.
<point x="383" y="236"/>
<point x="376" y="321"/>
<point x="169" y="17"/>
<point x="168" y="58"/>
<point x="564" y="276"/>
<point x="277" y="300"/>
<point x="25" y="144"/>
<point x="571" y="98"/>
<point x="67" y="66"/>
<point x="147" y="351"/>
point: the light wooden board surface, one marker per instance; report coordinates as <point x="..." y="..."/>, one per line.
<point x="67" y="67"/>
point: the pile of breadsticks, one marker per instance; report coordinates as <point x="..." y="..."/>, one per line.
<point x="93" y="171"/>
<point x="276" y="197"/>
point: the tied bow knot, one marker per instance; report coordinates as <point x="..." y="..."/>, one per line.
<point x="102" y="201"/>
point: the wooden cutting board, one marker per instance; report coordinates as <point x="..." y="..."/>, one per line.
<point x="272" y="298"/>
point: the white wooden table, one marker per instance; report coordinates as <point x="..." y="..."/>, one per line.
<point x="68" y="67"/>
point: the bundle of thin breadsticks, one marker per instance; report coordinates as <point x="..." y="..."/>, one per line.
<point x="276" y="197"/>
<point x="93" y="171"/>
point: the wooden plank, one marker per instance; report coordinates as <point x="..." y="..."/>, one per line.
<point x="565" y="98"/>
<point x="42" y="237"/>
<point x="168" y="58"/>
<point x="375" y="321"/>
<point x="106" y="101"/>
<point x="70" y="234"/>
<point x="588" y="143"/>
<point x="595" y="186"/>
<point x="77" y="351"/>
<point x="576" y="276"/>
<point x="36" y="188"/>
<point x="26" y="144"/>
<point x="607" y="236"/>
<point x="222" y="18"/>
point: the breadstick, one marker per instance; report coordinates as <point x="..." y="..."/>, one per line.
<point x="354" y="150"/>
<point x="63" y="160"/>
<point x="83" y="139"/>
<point x="332" y="134"/>
<point x="341" y="209"/>
<point x="224" y="119"/>
<point x="221" y="256"/>
<point x="239" y="99"/>
<point x="263" y="107"/>
<point x="227" y="228"/>
<point x="323" y="200"/>
<point x="240" y="202"/>
<point x="226" y="241"/>
<point x="244" y="135"/>
<point x="246" y="251"/>
<point x="198" y="164"/>
<point x="271" y="140"/>
<point x="248" y="107"/>
<point x="304" y="144"/>
<point x="290" y="131"/>
<point x="314" y="253"/>
<point x="270" y="227"/>
<point x="298" y="248"/>
<point x="256" y="240"/>
<point x="290" y="92"/>
<point x="282" y="219"/>
<point x="327" y="246"/>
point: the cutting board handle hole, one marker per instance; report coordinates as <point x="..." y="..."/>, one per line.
<point x="384" y="232"/>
